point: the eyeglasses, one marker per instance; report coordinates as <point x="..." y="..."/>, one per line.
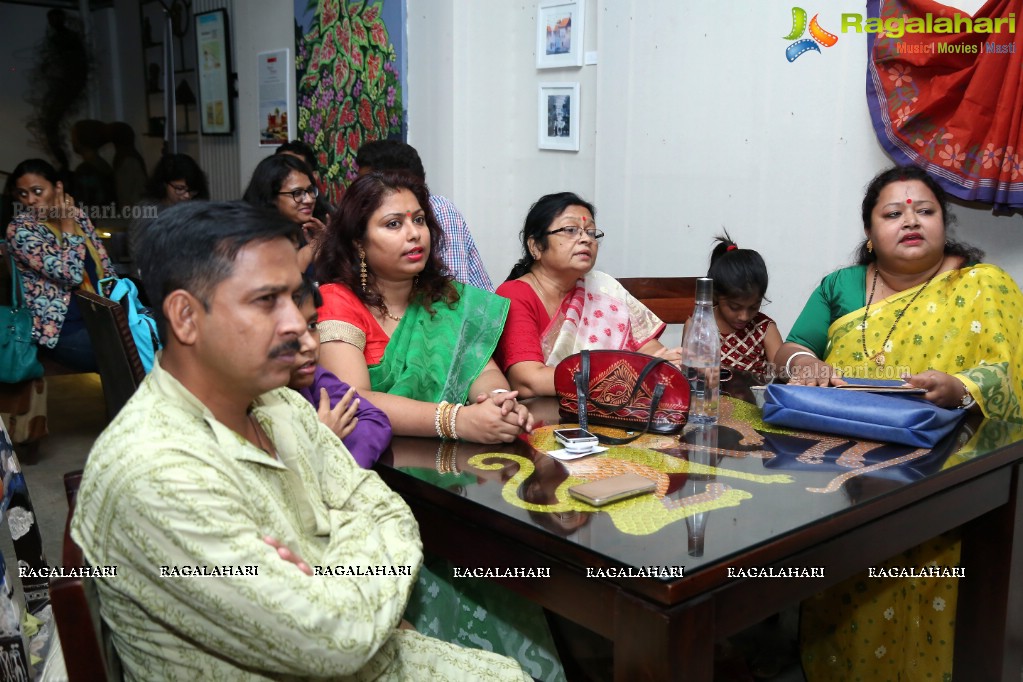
<point x="182" y="190"/>
<point x="299" y="195"/>
<point x="574" y="232"/>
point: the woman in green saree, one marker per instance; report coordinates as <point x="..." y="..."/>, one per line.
<point x="396" y="327"/>
<point x="920" y="307"/>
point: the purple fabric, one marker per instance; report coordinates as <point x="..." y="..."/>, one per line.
<point x="371" y="435"/>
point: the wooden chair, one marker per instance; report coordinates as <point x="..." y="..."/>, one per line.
<point x="85" y="639"/>
<point x="120" y="367"/>
<point x="672" y="299"/>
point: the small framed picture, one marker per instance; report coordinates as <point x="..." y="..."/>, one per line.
<point x="558" y="116"/>
<point x="559" y="33"/>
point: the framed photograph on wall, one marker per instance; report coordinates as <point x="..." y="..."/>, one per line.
<point x="559" y="33"/>
<point x="558" y="116"/>
<point x="213" y="56"/>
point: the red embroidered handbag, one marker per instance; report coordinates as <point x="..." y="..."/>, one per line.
<point x="627" y="390"/>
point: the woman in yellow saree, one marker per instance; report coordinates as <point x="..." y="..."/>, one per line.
<point x="920" y="307"/>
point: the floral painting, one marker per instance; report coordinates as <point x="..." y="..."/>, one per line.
<point x="349" y="80"/>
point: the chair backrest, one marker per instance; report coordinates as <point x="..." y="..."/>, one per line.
<point x="672" y="299"/>
<point x="88" y="649"/>
<point x="120" y="366"/>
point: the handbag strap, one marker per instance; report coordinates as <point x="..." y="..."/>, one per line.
<point x="582" y="390"/>
<point x="17" y="289"/>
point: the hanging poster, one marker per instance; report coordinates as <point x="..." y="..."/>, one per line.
<point x="213" y="55"/>
<point x="275" y="111"/>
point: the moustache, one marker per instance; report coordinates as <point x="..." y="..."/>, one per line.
<point x="286" y="348"/>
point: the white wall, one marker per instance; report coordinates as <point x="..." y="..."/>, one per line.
<point x="257" y="26"/>
<point x="693" y="122"/>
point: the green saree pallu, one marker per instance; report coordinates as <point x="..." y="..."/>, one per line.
<point x="434" y="357"/>
<point x="437" y="356"/>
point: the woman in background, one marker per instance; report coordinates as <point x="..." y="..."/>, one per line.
<point x="284" y="183"/>
<point x="560" y="305"/>
<point x="176" y="178"/>
<point x="57" y="252"/>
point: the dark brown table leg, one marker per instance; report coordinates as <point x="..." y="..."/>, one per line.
<point x="652" y="643"/>
<point x="989" y="614"/>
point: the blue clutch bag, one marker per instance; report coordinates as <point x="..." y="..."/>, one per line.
<point x="888" y="418"/>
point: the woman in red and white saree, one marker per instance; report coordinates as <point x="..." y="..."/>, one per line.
<point x="560" y="305"/>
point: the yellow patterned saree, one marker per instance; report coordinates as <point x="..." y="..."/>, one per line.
<point x="966" y="322"/>
<point x="969" y="323"/>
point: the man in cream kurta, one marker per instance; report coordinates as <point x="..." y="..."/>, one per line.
<point x="171" y="490"/>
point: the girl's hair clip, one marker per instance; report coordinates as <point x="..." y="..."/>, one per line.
<point x="731" y="247"/>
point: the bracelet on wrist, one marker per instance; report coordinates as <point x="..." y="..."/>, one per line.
<point x="454" y="416"/>
<point x="788" y="363"/>
<point x="438" y="418"/>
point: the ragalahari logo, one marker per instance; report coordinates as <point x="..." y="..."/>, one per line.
<point x="818" y="35"/>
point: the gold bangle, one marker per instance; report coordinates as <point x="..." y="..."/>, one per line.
<point x="454" y="417"/>
<point x="445" y="420"/>
<point x="437" y="418"/>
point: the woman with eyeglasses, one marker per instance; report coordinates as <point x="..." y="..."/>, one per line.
<point x="57" y="252"/>
<point x="176" y="178"/>
<point x="284" y="183"/>
<point x="560" y="305"/>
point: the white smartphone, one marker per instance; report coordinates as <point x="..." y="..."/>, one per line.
<point x="576" y="440"/>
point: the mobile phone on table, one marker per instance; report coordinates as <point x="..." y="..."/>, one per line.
<point x="608" y="490"/>
<point x="576" y="440"/>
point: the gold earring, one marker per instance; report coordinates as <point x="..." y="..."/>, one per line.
<point x="363" y="273"/>
<point x="870" y="246"/>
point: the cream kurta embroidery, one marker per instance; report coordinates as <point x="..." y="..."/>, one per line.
<point x="166" y="485"/>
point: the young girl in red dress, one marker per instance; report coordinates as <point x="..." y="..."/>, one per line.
<point x="749" y="338"/>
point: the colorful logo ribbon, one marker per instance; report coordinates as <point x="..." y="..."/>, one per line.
<point x="818" y="34"/>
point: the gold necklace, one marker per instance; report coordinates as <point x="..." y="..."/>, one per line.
<point x="879" y="357"/>
<point x="387" y="314"/>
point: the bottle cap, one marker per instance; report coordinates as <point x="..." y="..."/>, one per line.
<point x="704" y="290"/>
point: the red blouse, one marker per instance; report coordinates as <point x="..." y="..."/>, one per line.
<point x="340" y="304"/>
<point x="524" y="328"/>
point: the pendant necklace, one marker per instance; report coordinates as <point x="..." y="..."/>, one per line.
<point x="879" y="357"/>
<point x="387" y="313"/>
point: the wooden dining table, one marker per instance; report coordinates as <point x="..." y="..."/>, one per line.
<point x="746" y="519"/>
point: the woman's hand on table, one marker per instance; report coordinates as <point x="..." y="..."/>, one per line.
<point x="492" y="420"/>
<point x="673" y="355"/>
<point x="511" y="410"/>
<point x="809" y="371"/>
<point x="943" y="389"/>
